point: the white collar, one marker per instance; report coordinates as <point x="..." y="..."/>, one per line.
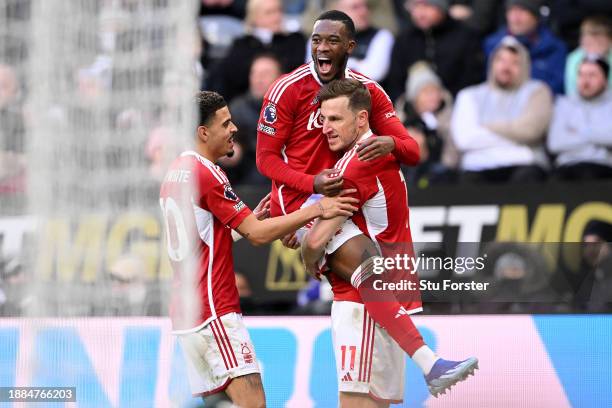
<point x="197" y="156"/>
<point x="365" y="136"/>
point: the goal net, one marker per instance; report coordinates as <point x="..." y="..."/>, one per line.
<point x="96" y="100"/>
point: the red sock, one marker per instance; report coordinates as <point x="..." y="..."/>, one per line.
<point x="385" y="309"/>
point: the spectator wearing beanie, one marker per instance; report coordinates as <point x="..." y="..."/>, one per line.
<point x="581" y="130"/>
<point x="452" y="50"/>
<point x="546" y="51"/>
<point x="425" y="109"/>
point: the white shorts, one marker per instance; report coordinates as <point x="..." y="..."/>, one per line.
<point x="347" y="231"/>
<point x="218" y="352"/>
<point x="368" y="360"/>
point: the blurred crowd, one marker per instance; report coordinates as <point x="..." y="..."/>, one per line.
<point x="493" y="91"/>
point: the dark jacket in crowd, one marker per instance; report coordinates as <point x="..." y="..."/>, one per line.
<point x="547" y="53"/>
<point x="231" y="76"/>
<point x="452" y="50"/>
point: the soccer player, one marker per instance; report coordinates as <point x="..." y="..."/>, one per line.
<point x="291" y="150"/>
<point x="370" y="359"/>
<point x="200" y="210"/>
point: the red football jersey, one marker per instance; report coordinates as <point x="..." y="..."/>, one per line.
<point x="291" y="117"/>
<point x="199" y="209"/>
<point x="383" y="214"/>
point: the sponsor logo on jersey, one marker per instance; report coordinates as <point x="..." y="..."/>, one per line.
<point x="269" y="113"/>
<point x="266" y="129"/>
<point x="314" y="121"/>
<point x="347" y="377"/>
<point x="390" y="114"/>
<point x="314" y="101"/>
<point x="239" y="206"/>
<point x="229" y="193"/>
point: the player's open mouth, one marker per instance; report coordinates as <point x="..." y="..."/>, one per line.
<point x="325" y="65"/>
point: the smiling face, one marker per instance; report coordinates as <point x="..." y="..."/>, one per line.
<point x="331" y="47"/>
<point x="218" y="135"/>
<point x="341" y="125"/>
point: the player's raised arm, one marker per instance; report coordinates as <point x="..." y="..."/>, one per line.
<point x="265" y="231"/>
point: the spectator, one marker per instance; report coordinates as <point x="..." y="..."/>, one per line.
<point x="245" y="114"/>
<point x="452" y="50"/>
<point x="581" y="130"/>
<point x="547" y="52"/>
<point x="372" y="55"/>
<point x="12" y="132"/>
<point x="499" y="125"/>
<point x="264" y="34"/>
<point x="481" y="16"/>
<point x="425" y="109"/>
<point x="597" y="256"/>
<point x="587" y="286"/>
<point x="566" y="16"/>
<point x="595" y="39"/>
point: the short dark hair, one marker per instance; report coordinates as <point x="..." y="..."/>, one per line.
<point x="208" y="104"/>
<point x="337" y="15"/>
<point x="357" y="93"/>
<point x="599" y="61"/>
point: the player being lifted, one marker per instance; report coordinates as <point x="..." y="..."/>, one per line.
<point x="370" y="359"/>
<point x="290" y="148"/>
<point x="200" y="210"/>
<point x="292" y="151"/>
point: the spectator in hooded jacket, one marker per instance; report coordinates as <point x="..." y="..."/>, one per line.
<point x="499" y="126"/>
<point x="546" y="51"/>
<point x="452" y="50"/>
<point x="581" y="130"/>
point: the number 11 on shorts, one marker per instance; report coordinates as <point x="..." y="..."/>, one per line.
<point x="353" y="350"/>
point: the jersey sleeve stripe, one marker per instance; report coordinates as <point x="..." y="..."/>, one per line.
<point x="280" y="92"/>
<point x="347" y="160"/>
<point x="282" y="81"/>
<point x="216" y="174"/>
<point x="287" y="77"/>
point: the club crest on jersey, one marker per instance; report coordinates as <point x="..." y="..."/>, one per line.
<point x="229" y="193"/>
<point x="269" y="113"/>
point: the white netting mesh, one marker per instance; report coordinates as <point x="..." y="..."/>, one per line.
<point x="103" y="103"/>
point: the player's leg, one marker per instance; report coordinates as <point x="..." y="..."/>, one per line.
<point x="247" y="391"/>
<point x="387" y="311"/>
<point x="369" y="364"/>
<point x="352" y="258"/>
<point x="354" y="400"/>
